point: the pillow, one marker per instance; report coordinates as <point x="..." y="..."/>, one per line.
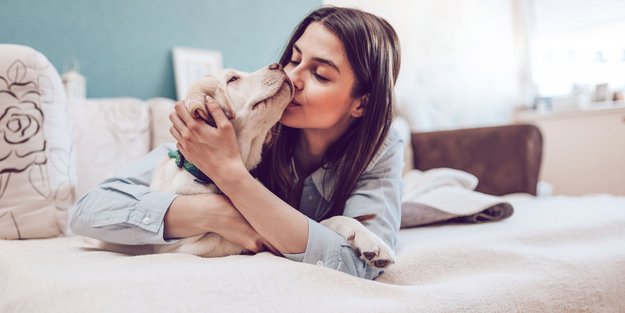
<point x="109" y="135"/>
<point x="160" y="124"/>
<point x="447" y="195"/>
<point x="36" y="172"/>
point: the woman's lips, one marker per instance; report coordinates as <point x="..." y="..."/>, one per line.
<point x="294" y="103"/>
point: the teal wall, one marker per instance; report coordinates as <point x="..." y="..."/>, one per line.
<point x="124" y="47"/>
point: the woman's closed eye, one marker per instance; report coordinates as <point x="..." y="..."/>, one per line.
<point x="316" y="75"/>
<point x="319" y="77"/>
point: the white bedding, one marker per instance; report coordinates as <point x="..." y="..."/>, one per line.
<point x="558" y="254"/>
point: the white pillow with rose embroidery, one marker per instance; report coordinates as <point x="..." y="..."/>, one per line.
<point x="36" y="172"/>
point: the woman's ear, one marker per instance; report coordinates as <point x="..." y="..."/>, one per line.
<point x="358" y="106"/>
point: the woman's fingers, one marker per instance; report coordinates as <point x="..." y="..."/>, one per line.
<point x="235" y="228"/>
<point x="217" y="113"/>
<point x="180" y="148"/>
<point x="176" y="124"/>
<point x="174" y="133"/>
<point x="270" y="248"/>
<point x="183" y="113"/>
<point x="184" y="125"/>
<point x="258" y="244"/>
<point x="174" y="116"/>
<point x="200" y="139"/>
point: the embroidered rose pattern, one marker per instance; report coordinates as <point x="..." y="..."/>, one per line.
<point x="22" y="143"/>
<point x="19" y="124"/>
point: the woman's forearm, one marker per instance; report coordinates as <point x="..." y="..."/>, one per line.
<point x="212" y="213"/>
<point x="191" y="215"/>
<point x="275" y="220"/>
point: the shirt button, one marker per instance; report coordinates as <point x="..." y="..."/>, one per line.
<point x="147" y="220"/>
<point x="310" y="198"/>
<point x="320" y="263"/>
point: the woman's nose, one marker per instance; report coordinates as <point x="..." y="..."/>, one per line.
<point x="295" y="77"/>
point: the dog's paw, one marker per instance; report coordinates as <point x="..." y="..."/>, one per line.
<point x="371" y="249"/>
<point x="367" y="245"/>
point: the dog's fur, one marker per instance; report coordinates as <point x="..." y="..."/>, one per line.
<point x="253" y="103"/>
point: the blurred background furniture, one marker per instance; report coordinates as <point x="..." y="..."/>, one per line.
<point x="506" y="159"/>
<point x="584" y="150"/>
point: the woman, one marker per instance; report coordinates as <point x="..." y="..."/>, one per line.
<point x="332" y="153"/>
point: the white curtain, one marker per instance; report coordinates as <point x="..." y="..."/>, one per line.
<point x="577" y="46"/>
<point x="462" y="61"/>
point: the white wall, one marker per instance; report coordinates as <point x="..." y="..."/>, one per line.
<point x="463" y="61"/>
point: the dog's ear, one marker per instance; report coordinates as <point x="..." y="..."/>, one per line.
<point x="208" y="87"/>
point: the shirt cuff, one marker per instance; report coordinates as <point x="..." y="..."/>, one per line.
<point x="149" y="218"/>
<point x="323" y="247"/>
<point x="329" y="249"/>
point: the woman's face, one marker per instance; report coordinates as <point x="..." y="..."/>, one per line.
<point x="323" y="79"/>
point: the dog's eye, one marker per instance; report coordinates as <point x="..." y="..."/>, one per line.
<point x="233" y="78"/>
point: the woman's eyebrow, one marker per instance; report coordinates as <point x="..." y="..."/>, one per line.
<point x="319" y="60"/>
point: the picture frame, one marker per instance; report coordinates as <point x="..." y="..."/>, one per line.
<point x="601" y="92"/>
<point x="192" y="64"/>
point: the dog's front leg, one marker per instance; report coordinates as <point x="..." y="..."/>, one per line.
<point x="369" y="247"/>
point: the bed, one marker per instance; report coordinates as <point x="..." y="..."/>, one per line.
<point x="554" y="254"/>
<point x="557" y="254"/>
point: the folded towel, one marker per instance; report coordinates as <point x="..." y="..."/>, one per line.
<point x="447" y="195"/>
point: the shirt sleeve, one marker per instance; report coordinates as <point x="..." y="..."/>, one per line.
<point x="124" y="210"/>
<point x="378" y="191"/>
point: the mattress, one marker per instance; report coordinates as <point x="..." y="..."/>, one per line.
<point x="555" y="254"/>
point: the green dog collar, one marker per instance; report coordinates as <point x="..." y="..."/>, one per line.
<point x="181" y="162"/>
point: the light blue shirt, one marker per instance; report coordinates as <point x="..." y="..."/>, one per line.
<point x="124" y="210"/>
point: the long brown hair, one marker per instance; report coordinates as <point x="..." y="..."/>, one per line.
<point x="372" y="48"/>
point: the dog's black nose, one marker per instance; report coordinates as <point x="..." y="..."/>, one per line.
<point x="275" y="66"/>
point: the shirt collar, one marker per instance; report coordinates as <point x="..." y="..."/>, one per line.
<point x="329" y="175"/>
<point x="317" y="177"/>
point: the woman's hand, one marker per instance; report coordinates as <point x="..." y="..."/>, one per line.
<point x="193" y="215"/>
<point x="237" y="230"/>
<point x="214" y="150"/>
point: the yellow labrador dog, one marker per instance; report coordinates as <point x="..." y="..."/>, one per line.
<point x="253" y="103"/>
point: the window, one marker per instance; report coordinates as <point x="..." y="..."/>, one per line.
<point x="577" y="47"/>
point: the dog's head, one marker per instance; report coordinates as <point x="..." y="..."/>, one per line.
<point x="253" y="102"/>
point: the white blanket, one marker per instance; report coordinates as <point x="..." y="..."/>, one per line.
<point x="446" y="194"/>
<point x="556" y="254"/>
